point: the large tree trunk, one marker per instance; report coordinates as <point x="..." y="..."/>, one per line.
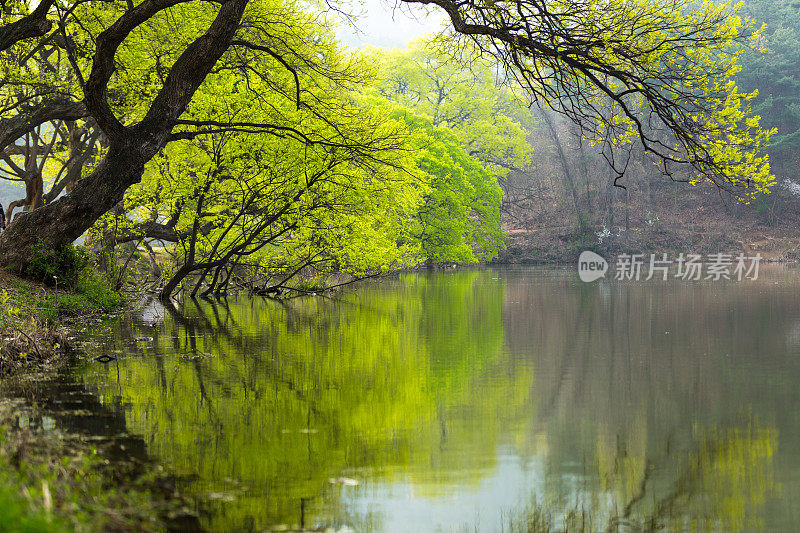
<point x="61" y="222"/>
<point x="75" y="152"/>
<point x="67" y="218"/>
<point x="34" y="191"/>
<point x="34" y="184"/>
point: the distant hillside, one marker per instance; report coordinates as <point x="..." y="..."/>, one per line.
<point x="678" y="218"/>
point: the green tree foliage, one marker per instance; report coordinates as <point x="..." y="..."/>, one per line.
<point x="373" y="186"/>
<point x="278" y="169"/>
<point x="660" y="71"/>
<point x="462" y="93"/>
<point x="100" y="89"/>
<point x="773" y="71"/>
<point x="466" y="135"/>
<point x="459" y="218"/>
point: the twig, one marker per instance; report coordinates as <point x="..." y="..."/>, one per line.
<point x="32" y="342"/>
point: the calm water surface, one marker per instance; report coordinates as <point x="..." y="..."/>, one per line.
<point x="476" y="400"/>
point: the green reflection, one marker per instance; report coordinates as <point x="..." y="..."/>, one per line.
<point x="610" y="405"/>
<point x="282" y="397"/>
<point x="721" y="484"/>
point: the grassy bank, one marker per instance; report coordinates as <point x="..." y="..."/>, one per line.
<point x="35" y="313"/>
<point x="50" y="481"/>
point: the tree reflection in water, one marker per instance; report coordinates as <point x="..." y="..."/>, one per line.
<point x="422" y="387"/>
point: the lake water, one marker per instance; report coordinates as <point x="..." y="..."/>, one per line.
<point x="475" y="400"/>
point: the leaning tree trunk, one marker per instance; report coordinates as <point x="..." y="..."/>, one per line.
<point x="66" y="219"/>
<point x="130" y="147"/>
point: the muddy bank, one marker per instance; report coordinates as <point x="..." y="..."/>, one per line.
<point x="29" y="337"/>
<point x="36" y="319"/>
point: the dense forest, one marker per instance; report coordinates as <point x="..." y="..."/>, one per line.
<point x="565" y="202"/>
<point x="250" y="148"/>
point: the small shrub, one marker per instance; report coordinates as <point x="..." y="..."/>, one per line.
<point x="8" y="310"/>
<point x="98" y="292"/>
<point x="56" y="268"/>
<point x="92" y="296"/>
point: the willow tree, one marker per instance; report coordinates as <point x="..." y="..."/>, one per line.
<point x="672" y="58"/>
<point x="239" y="203"/>
<point x="276" y="168"/>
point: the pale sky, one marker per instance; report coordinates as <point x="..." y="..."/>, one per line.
<point x="382" y="24"/>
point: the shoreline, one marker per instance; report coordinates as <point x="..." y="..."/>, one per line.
<point x="56" y="481"/>
<point x="28" y="454"/>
